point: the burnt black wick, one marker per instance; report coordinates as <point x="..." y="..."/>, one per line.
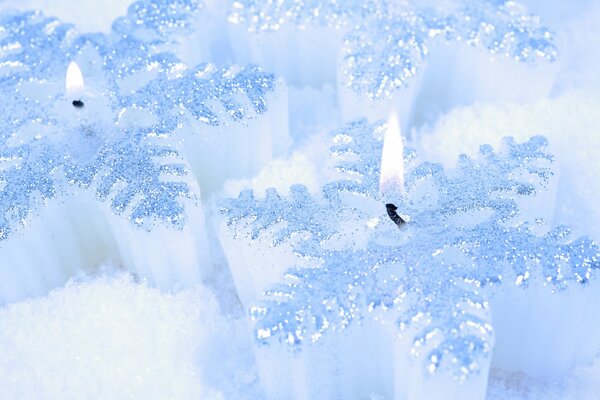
<point x="78" y="104"/>
<point x="391" y="211"/>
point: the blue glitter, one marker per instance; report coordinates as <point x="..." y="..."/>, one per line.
<point x="461" y="242"/>
<point x="386" y="42"/>
<point x="104" y="156"/>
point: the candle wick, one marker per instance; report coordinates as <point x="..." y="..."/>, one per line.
<point x="78" y="104"/>
<point x="391" y="211"/>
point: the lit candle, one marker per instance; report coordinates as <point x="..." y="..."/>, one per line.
<point x="434" y="305"/>
<point x="104" y="153"/>
<point x="75" y="84"/>
<point x="92" y="110"/>
<point x="391" y="180"/>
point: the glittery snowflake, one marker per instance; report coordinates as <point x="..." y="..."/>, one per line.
<point x="466" y="236"/>
<point x="386" y="42"/>
<point x="122" y="144"/>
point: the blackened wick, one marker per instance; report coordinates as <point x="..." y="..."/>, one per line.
<point x="391" y="211"/>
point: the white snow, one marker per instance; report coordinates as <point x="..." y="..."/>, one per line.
<point x="110" y="337"/>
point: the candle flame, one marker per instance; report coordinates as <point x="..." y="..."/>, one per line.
<point x="391" y="177"/>
<point x="74" y="80"/>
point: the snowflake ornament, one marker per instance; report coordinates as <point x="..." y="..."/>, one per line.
<point x="122" y="144"/>
<point x="386" y="42"/>
<point x="435" y="277"/>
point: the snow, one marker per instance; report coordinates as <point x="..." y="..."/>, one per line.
<point x="112" y="337"/>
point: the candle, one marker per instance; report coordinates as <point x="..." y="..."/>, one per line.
<point x="400" y="55"/>
<point x="416" y="313"/>
<point x="111" y="193"/>
<point x="112" y="181"/>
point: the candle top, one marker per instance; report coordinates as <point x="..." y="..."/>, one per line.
<point x="466" y="237"/>
<point x="386" y="42"/>
<point x="47" y="150"/>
